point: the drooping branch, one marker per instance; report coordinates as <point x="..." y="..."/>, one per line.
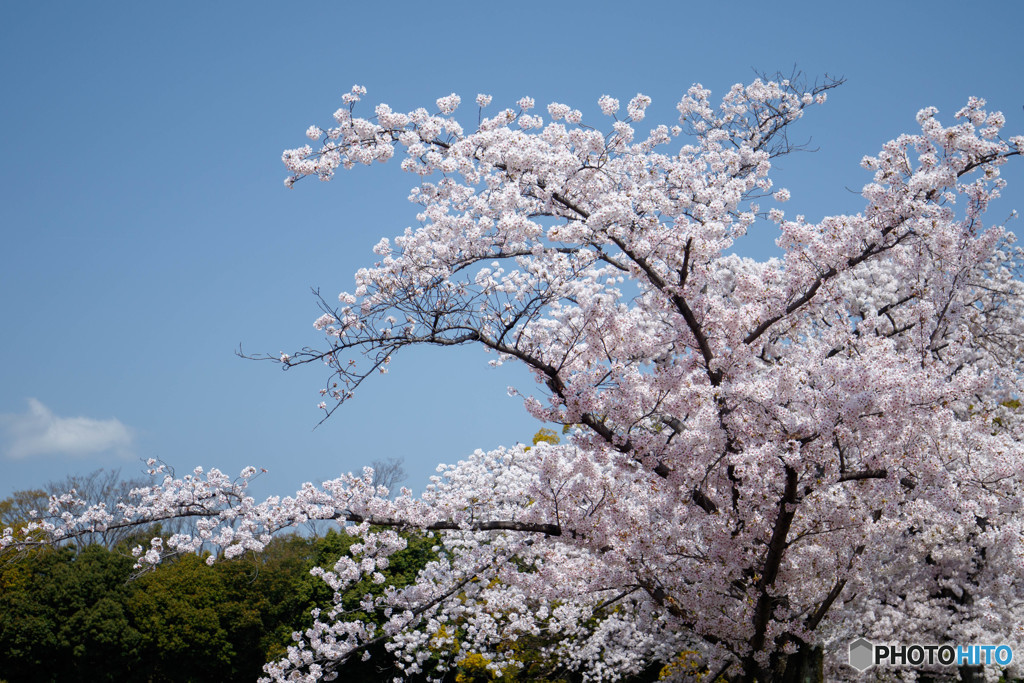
<point x="447" y="525"/>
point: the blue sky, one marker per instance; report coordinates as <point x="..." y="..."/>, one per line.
<point x="146" y="232"/>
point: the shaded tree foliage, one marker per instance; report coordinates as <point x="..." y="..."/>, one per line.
<point x="77" y="614"/>
<point x="83" y="614"/>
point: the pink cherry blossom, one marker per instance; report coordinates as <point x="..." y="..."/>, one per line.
<point x="762" y="457"/>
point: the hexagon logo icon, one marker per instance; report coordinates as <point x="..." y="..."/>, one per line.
<point x="862" y="655"/>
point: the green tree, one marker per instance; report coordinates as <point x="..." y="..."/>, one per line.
<point x="63" y="617"/>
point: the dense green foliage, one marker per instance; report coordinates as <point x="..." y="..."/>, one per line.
<point x="79" y="615"/>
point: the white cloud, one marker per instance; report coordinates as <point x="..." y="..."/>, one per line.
<point x="39" y="432"/>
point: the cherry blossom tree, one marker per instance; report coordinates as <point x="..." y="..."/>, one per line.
<point x="764" y="458"/>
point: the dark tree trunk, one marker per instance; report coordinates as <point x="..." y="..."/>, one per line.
<point x="806" y="665"/>
<point x="972" y="674"/>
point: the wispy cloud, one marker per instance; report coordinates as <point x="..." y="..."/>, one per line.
<point x="39" y="432"/>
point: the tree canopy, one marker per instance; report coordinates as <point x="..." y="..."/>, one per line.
<point x="763" y="457"/>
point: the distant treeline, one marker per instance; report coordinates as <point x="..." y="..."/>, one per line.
<point x="77" y="614"/>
